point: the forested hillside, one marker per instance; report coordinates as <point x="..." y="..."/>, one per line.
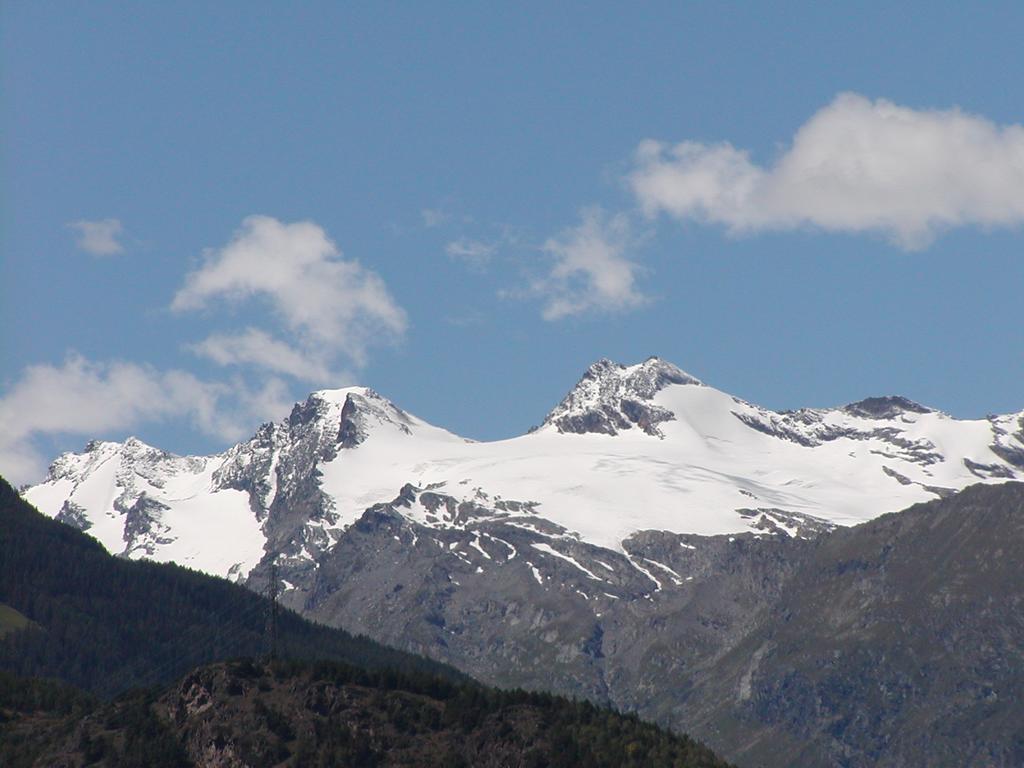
<point x="106" y="624"/>
<point x="327" y="714"/>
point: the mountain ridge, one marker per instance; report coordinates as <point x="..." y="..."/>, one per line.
<point x="652" y="566"/>
<point x="630" y="448"/>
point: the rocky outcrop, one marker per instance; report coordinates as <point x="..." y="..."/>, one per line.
<point x="612" y="397"/>
<point x="887" y="407"/>
<point x="811" y="428"/>
<point x="144" y="528"/>
<point x="74" y="515"/>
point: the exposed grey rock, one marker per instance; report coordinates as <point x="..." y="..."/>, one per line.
<point x="938" y="490"/>
<point x="74" y="515"/>
<point x="811" y="428"/>
<point x="280" y="470"/>
<point x="896" y="643"/>
<point x="888" y="407"/>
<point x="988" y="470"/>
<point x="144" y="528"/>
<point x="1009" y="454"/>
<point x="784" y="521"/>
<point x="610" y="398"/>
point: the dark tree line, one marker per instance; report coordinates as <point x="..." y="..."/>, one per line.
<point x="121" y="631"/>
<point x="325" y="714"/>
<point x="106" y="624"/>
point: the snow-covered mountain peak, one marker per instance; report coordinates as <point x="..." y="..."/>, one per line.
<point x="611" y="397"/>
<point x="644" y="379"/>
<point x="321" y="407"/>
<point x="366" y="411"/>
<point x="127" y="455"/>
<point x="347" y="417"/>
<point x="688" y="458"/>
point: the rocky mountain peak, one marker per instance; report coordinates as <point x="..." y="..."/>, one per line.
<point x="644" y="379"/>
<point x="345" y="417"/>
<point x="365" y="409"/>
<point x="75" y="466"/>
<point x="300" y="482"/>
<point x="611" y="397"/>
<point x="887" y="407"/>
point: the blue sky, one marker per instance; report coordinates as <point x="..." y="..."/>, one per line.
<point x="209" y="210"/>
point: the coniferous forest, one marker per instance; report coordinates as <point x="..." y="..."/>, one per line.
<point x="117" y="663"/>
<point x="106" y="624"/>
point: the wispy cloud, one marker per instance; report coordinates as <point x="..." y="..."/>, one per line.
<point x="329" y="309"/>
<point x="856" y="166"/>
<point x="330" y="306"/>
<point x="258" y="348"/>
<point x="590" y="270"/>
<point x="100" y="238"/>
<point x="434" y="217"/>
<point x="81" y="397"/>
<point x="473" y="253"/>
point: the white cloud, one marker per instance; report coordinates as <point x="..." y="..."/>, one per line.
<point x="270" y="402"/>
<point x="590" y="271"/>
<point x="330" y="304"/>
<point x="473" y="253"/>
<point x="100" y="238"/>
<point x="260" y="349"/>
<point x="82" y="397"/>
<point x="329" y="307"/>
<point x="434" y="217"/>
<point x="856" y="166"/>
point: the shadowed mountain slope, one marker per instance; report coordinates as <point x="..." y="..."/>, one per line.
<point x="898" y="642"/>
<point x="106" y="624"/>
<point x="326" y="714"/>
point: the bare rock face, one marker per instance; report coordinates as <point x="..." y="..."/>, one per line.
<point x="888" y="407"/>
<point x="611" y="398"/>
<point x="894" y="643"/>
<point x="362" y="412"/>
<point x="500" y="592"/>
<point x="144" y="529"/>
<point x="1009" y="444"/>
<point x="74" y="515"/>
<point x="876" y="418"/>
<point x="279" y="468"/>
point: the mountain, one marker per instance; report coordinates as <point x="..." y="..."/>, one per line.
<point x="647" y="546"/>
<point x="899" y="642"/>
<point x="242" y="713"/>
<point x="896" y="642"/>
<point x="109" y="625"/>
<point x="106" y="624"/>
<point x="634" y="448"/>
